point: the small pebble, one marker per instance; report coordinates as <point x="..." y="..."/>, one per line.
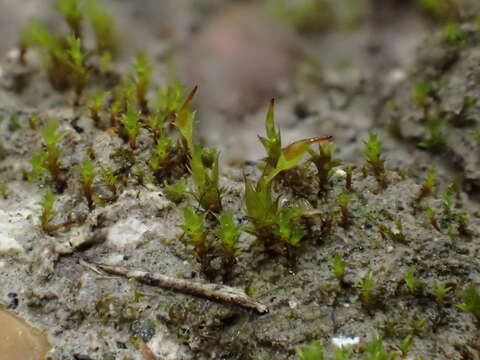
<point x="18" y="340"/>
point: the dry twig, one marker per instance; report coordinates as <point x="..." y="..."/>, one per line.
<point x="213" y="292"/>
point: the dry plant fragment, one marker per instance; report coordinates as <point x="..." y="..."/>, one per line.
<point x="214" y="292"/>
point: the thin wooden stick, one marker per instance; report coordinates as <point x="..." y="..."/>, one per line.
<point x="210" y="291"/>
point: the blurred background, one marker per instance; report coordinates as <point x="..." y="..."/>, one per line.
<point x="330" y="63"/>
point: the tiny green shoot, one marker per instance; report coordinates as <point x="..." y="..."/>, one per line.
<point x="287" y="226"/>
<point x="373" y="154"/>
<point x="4" y="188"/>
<point x="261" y="208"/>
<point x="132" y="125"/>
<point x="51" y="157"/>
<point x="228" y="232"/>
<point x="476" y="136"/>
<point x="175" y="192"/>
<point x="406" y="346"/>
<point x="103" y="28"/>
<point x="452" y="33"/>
<point x="72" y="13"/>
<point x="452" y="231"/>
<point x="115" y="111"/>
<point x="96" y="104"/>
<point x="440" y="10"/>
<point x="33" y="121"/>
<point x="54" y="57"/>
<point x="471" y="302"/>
<point x="314" y="351"/>
<point x="105" y="62"/>
<point x="14" y="124"/>
<point x="207" y="190"/>
<point x="127" y="95"/>
<point x="338" y="267"/>
<point x="414" y="285"/>
<point x="342" y="353"/>
<point x="142" y="79"/>
<point x="169" y="98"/>
<point x="447" y="199"/>
<point x="26" y="40"/>
<point x="48" y="212"/>
<point x="194" y="227"/>
<point x="324" y="162"/>
<point x="37" y="163"/>
<point x="111" y="181"/>
<point x="80" y="72"/>
<point x="462" y="220"/>
<point x="417" y="325"/>
<point x="366" y="287"/>
<point x="422" y="96"/>
<point x="88" y="174"/>
<point x="161" y="156"/>
<point x="432" y="219"/>
<point x="138" y="172"/>
<point x="440" y="291"/>
<point x="156" y="123"/>
<point x="291" y="155"/>
<point x="376" y="351"/>
<point x="343" y="200"/>
<point x="397" y="233"/>
<point x="185" y="120"/>
<point x="428" y="185"/>
<point x="272" y="142"/>
<point x="348" y="177"/>
<point x="434" y="138"/>
<point x="305" y="16"/>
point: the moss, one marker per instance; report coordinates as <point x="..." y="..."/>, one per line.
<point x="64" y="57"/>
<point x="338" y="267"/>
<point x="176" y="192"/>
<point x="228" y="232"/>
<point x="366" y="286"/>
<point x="102" y="22"/>
<point x="95" y="106"/>
<point x="325" y="164"/>
<point x="413" y="284"/>
<point x="73" y="15"/>
<point x="452" y="33"/>
<point x="428" y="185"/>
<point x="48" y="212"/>
<point x="471" y="302"/>
<point x="207" y="189"/>
<point x="49" y="159"/>
<point x="343" y="200"/>
<point x="439" y="10"/>
<point x="142" y="79"/>
<point x="194" y="227"/>
<point x="4" y="188"/>
<point x="375" y="160"/>
<point x="88" y="174"/>
<point x="440" y="291"/>
<point x="305" y="15"/>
